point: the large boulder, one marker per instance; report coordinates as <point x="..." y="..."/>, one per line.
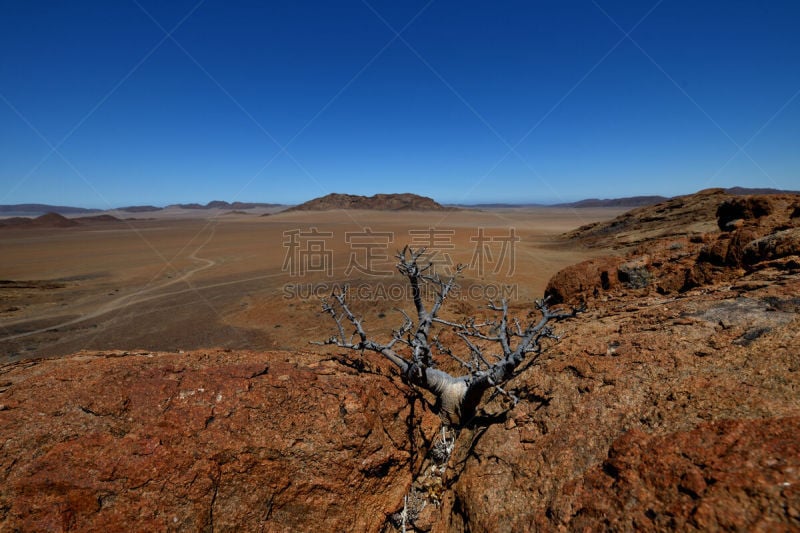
<point x="746" y="208"/>
<point x="774" y="246"/>
<point x="587" y="278"/>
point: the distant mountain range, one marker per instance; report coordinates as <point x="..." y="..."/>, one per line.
<point x="643" y="201"/>
<point x="215" y="204"/>
<point x="388" y="202"/>
<point x="40" y="209"/>
<point x="54" y="220"/>
<point x="740" y="191"/>
<point x="33" y="210"/>
<point x="631" y="201"/>
<point x="496" y="205"/>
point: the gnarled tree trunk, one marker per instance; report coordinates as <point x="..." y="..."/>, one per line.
<point x="457" y="397"/>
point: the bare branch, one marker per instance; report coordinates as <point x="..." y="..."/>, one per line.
<point x="407" y="265"/>
<point x="457" y="396"/>
<point x="447" y="351"/>
<point x="364" y="343"/>
<point x="513" y="397"/>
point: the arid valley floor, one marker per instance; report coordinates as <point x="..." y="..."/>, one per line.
<point x="238" y="281"/>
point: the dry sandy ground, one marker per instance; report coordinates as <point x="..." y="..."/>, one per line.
<point x="244" y="281"/>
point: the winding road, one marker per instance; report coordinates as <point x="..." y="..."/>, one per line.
<point x="144" y="294"/>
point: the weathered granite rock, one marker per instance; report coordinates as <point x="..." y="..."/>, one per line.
<point x="734" y="475"/>
<point x="659" y="368"/>
<point x="203" y="441"/>
<point x="773" y="246"/>
<point x="766" y="230"/>
<point x="706" y="355"/>
<point x="584" y="279"/>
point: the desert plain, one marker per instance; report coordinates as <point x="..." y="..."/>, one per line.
<point x="238" y="280"/>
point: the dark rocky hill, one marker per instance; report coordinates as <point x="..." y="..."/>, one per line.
<point x="97" y="219"/>
<point x="139" y="208"/>
<point x="386" y="202"/>
<point x="54" y="220"/>
<point x="48" y="220"/>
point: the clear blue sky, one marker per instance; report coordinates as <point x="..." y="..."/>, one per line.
<point x="283" y="101"/>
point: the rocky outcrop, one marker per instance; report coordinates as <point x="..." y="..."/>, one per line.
<point x="751" y="233"/>
<point x="203" y="441"/>
<point x="643" y="401"/>
<point x="755" y="231"/>
<point x="671" y="404"/>
<point x="585" y="278"/>
<point x="776" y="245"/>
<point x="682" y="216"/>
<point x="688" y="216"/>
<point x="386" y="202"/>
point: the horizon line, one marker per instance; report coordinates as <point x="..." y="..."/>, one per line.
<point x="207" y="205"/>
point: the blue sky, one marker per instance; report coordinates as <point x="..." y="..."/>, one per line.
<point x="106" y="104"/>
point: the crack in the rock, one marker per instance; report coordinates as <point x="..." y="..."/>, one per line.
<point x="89" y="411"/>
<point x="262" y="372"/>
<point x="215" y="486"/>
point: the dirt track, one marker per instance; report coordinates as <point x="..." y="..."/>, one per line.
<point x="230" y="282"/>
